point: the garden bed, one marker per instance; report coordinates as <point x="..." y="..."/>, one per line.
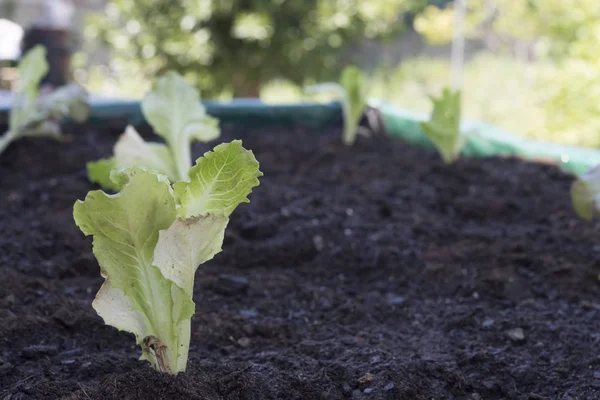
<point x="371" y="272"/>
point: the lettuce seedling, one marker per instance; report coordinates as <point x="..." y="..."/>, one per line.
<point x="35" y="115"/>
<point x="174" y="111"/>
<point x="351" y="90"/>
<point x="150" y="238"/>
<point x="585" y="194"/>
<point x="443" y="128"/>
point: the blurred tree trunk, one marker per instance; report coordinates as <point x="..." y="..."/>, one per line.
<point x="8" y="9"/>
<point x="58" y="44"/>
<point x="244" y="86"/>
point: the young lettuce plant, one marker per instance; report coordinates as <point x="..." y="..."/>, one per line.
<point x="174" y="111"/>
<point x="351" y="91"/>
<point x="443" y="128"/>
<point x="35" y="115"/>
<point x="150" y="238"/>
<point x="585" y="194"/>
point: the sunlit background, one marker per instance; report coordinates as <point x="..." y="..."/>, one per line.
<point x="532" y="67"/>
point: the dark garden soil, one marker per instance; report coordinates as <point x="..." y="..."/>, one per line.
<point x="371" y="272"/>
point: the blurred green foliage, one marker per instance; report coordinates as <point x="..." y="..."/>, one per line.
<point x="539" y="75"/>
<point x="498" y="89"/>
<point x="237" y="46"/>
<point x="560" y="39"/>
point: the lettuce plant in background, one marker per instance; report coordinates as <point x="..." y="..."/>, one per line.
<point x="351" y="91"/>
<point x="150" y="238"/>
<point x="174" y="111"/>
<point x="443" y="127"/>
<point x="35" y="115"/>
<point x="585" y="194"/>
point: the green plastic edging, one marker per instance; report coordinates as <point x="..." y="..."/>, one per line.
<point x="239" y="112"/>
<point x="485" y="140"/>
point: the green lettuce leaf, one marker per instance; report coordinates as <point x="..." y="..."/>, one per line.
<point x="149" y="241"/>
<point x="443" y="128"/>
<point x="99" y="173"/>
<point x="173" y="109"/>
<point x="136" y="297"/>
<point x="219" y="181"/>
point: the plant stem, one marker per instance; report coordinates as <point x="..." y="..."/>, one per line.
<point x="183" y="158"/>
<point x="184" y="332"/>
<point x="169" y="355"/>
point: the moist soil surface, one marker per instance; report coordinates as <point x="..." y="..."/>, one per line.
<point x="365" y="272"/>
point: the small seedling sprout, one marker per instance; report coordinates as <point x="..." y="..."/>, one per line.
<point x="351" y="92"/>
<point x="443" y="128"/>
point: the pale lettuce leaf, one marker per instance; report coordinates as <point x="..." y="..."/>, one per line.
<point x="131" y="150"/>
<point x="174" y="110"/>
<point x="187" y="244"/>
<point x="119" y="311"/>
<point x="219" y="182"/>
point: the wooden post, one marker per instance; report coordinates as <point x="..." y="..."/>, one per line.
<point x="458" y="44"/>
<point x="52" y="30"/>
